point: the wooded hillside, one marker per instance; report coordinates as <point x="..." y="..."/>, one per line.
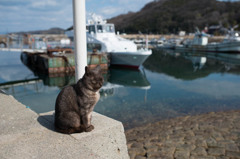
<point x="171" y="16"/>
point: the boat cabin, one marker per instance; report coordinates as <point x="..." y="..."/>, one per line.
<point x="200" y="39"/>
<point x="100" y="28"/>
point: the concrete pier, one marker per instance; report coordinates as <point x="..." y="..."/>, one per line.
<point x="26" y="134"/>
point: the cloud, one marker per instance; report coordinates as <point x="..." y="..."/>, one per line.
<point x="34" y="15"/>
<point x="127" y="2"/>
<point x="14" y="2"/>
<point x="25" y="15"/>
<point x="110" y="10"/>
<point x="44" y="3"/>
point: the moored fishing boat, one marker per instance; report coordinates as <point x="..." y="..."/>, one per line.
<point x="101" y="37"/>
<point x="230" y="44"/>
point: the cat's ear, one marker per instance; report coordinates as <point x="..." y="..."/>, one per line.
<point x="86" y="70"/>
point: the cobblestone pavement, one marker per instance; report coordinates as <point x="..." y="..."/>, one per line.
<point x="207" y="136"/>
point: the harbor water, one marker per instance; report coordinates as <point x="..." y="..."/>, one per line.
<point x="168" y="85"/>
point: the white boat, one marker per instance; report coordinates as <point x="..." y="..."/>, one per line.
<point x="171" y="43"/>
<point x="101" y="36"/>
<point x="231" y="44"/>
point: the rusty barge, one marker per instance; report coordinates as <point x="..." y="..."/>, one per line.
<point x="61" y="60"/>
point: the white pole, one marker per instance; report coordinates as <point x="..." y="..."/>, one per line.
<point x="79" y="21"/>
<point x="146" y="41"/>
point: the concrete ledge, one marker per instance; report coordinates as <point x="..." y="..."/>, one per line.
<point x="26" y="134"/>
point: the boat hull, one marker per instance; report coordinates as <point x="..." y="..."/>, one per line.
<point x="129" y="59"/>
<point x="233" y="47"/>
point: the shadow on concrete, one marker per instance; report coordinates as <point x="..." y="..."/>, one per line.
<point x="47" y="121"/>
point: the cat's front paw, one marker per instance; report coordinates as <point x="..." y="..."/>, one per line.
<point x="90" y="128"/>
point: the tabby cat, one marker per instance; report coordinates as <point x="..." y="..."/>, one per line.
<point x="75" y="103"/>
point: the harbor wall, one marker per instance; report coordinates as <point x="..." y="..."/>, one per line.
<point x="26" y="134"/>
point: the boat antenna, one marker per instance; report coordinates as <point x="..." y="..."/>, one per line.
<point x="147" y="41"/>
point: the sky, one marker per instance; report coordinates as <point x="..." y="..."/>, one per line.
<point x="29" y="15"/>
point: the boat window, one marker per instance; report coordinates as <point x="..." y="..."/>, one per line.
<point x="99" y="29"/>
<point x="105" y="28"/>
<point x="109" y="28"/>
<point x="91" y="28"/>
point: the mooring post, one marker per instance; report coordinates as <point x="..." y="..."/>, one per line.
<point x="80" y="45"/>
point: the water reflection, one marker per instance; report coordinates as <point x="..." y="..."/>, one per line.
<point x="121" y="77"/>
<point x="115" y="77"/>
<point x="169" y="84"/>
<point x="190" y="66"/>
<point x="129" y="78"/>
<point x="39" y="93"/>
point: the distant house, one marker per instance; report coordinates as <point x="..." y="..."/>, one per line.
<point x="182" y="33"/>
<point x="217" y="29"/>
